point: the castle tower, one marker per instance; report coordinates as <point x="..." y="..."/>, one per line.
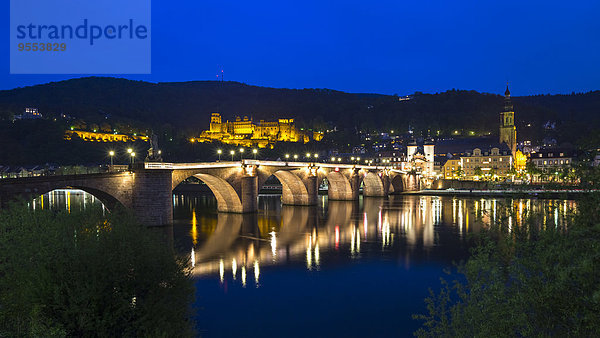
<point x="215" y="123"/>
<point x="508" y="131"/>
<point x="411" y="150"/>
<point x="429" y="150"/>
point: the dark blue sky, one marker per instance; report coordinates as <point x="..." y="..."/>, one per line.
<point x="363" y="46"/>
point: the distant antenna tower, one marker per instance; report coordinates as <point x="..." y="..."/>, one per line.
<point x="222" y="75"/>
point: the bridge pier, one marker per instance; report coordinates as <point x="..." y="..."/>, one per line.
<point x="387" y="183"/>
<point x="152" y="196"/>
<point x="312" y="189"/>
<point x="249" y="195"/>
<point x="355" y="184"/>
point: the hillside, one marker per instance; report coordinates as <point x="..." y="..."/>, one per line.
<point x="183" y="108"/>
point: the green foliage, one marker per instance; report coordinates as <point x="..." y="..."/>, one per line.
<point x="529" y="280"/>
<point x="459" y="172"/>
<point x="83" y="274"/>
<point x="477" y="171"/>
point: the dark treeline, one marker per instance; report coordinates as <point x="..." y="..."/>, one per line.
<point x="188" y="105"/>
<point x="176" y="111"/>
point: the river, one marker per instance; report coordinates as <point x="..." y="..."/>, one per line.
<point x="336" y="269"/>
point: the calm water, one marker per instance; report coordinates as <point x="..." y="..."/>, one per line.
<point x="337" y="269"/>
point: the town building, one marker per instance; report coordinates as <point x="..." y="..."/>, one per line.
<point x="451" y="169"/>
<point x="487" y="163"/>
<point x="552" y="158"/>
<point x="29" y="114"/>
<point x="421" y="158"/>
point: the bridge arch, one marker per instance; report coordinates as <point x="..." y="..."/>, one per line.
<point x="397" y="184"/>
<point x="373" y="185"/>
<point x="339" y="187"/>
<point x="109" y="201"/>
<point x="294" y="191"/>
<point x="228" y="199"/>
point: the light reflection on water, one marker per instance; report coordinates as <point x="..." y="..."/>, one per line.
<point x="65" y="199"/>
<point x="306" y="271"/>
<point x="220" y="244"/>
<point x="333" y="232"/>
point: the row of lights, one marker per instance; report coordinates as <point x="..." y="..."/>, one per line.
<point x="255" y="152"/>
<point x="241" y="150"/>
<point x="129" y="151"/>
<point x="307" y="155"/>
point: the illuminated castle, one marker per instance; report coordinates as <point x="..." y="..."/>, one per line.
<point x="263" y="134"/>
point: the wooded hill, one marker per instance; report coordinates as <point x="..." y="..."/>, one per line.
<point x="185" y="107"/>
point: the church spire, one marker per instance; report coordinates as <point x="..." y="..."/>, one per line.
<point x="507" y="101"/>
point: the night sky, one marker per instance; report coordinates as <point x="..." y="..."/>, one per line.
<point x="379" y="47"/>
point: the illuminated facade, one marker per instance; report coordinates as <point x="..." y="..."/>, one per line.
<point x="492" y="162"/>
<point x="451" y="169"/>
<point x="244" y="132"/>
<point x="421" y="159"/>
<point x="102" y="137"/>
<point x="520" y="161"/>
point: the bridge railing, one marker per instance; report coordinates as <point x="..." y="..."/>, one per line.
<point x="158" y="165"/>
<point x="246" y="162"/>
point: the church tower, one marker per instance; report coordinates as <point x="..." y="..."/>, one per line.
<point x="508" y="131"/>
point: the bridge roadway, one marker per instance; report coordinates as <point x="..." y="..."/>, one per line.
<point x="147" y="188"/>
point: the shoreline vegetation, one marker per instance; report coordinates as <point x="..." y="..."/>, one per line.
<point x="526" y="280"/>
<point x="87" y="273"/>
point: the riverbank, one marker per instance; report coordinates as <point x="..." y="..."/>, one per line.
<point x="539" y="193"/>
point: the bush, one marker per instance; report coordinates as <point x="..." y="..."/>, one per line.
<point x="86" y="274"/>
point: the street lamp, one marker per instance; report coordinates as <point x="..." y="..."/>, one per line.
<point x="219" y="152"/>
<point x="255" y="151"/>
<point x="132" y="157"/>
<point x="241" y="153"/>
<point x="111" y="154"/>
<point x="129" y="150"/>
<point x="295" y="157"/>
<point x="316" y="155"/>
<point x="287" y="156"/>
<point x="307" y="155"/>
<point x="232" y="153"/>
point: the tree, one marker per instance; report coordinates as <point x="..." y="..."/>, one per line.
<point x="491" y="174"/>
<point x="105" y="127"/>
<point x="79" y="124"/>
<point x="83" y="274"/>
<point x="529" y="280"/>
<point x="532" y="169"/>
<point x="478" y="172"/>
<point x="459" y="172"/>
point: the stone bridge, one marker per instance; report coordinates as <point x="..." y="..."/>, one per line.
<point x="147" y="188"/>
